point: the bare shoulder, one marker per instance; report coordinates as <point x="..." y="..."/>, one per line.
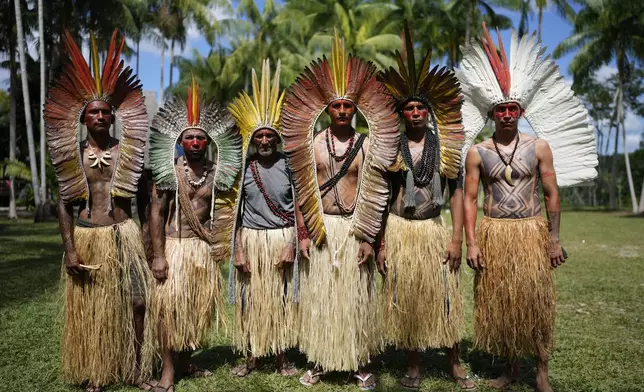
<point x="542" y="148"/>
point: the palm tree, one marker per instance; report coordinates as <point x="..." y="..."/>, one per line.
<point x="25" y="94"/>
<point x="563" y="7"/>
<point x="607" y="30"/>
<point x="43" y="89"/>
<point x="476" y="8"/>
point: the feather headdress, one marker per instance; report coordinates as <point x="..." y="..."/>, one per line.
<point x="535" y="83"/>
<point x="320" y="84"/>
<point x="177" y="116"/>
<point x="69" y="95"/>
<point x="440" y="91"/>
<point x="263" y="109"/>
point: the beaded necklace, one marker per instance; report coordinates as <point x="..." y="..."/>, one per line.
<point x="194" y="184"/>
<point x="425" y="173"/>
<point x="286" y="216"/>
<point x="330" y="146"/>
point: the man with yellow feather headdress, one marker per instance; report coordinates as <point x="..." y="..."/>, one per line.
<point x="514" y="250"/>
<point x="422" y="299"/>
<point x="191" y="223"/>
<point x="104" y="339"/>
<point x="263" y="282"/>
<point x="341" y="194"/>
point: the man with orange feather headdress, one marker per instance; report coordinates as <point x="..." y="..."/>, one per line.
<point x="191" y="221"/>
<point x="341" y="194"/>
<point x="107" y="280"/>
<point x="422" y="299"/>
<point x="515" y="249"/>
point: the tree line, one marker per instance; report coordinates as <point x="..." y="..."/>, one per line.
<point x="241" y="33"/>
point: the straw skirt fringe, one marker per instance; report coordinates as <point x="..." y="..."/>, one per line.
<point x="99" y="341"/>
<point x="338" y="305"/>
<point x="514" y="294"/>
<point x="191" y="297"/>
<point x="422" y="299"/>
<point x="266" y="317"/>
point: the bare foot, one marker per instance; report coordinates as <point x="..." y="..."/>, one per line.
<point x="93" y="388"/>
<point x="311" y="377"/>
<point x="243" y="370"/>
<point x="288" y="369"/>
<point x="410" y="382"/>
<point x="366" y="381"/>
<point x="542" y="384"/>
<point x="501" y="382"/>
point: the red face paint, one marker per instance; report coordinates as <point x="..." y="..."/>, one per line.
<point x="511" y="109"/>
<point x="194" y="142"/>
<point x="415" y="114"/>
<point x="98" y="116"/>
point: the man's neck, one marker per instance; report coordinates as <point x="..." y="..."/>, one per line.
<point x="506" y="137"/>
<point x="343" y="132"/>
<point x="416" y="135"/>
<point x="100" y="140"/>
<point x="269" y="160"/>
<point x="197" y="164"/>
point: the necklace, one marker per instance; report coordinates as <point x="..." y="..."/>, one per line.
<point x="330" y="146"/>
<point x="194" y="184"/>
<point x="100" y="160"/>
<point x="425" y="172"/>
<point x="286" y="216"/>
<point x="508" y="168"/>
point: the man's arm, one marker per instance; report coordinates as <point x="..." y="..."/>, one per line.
<point x="472" y="177"/>
<point x="302" y="233"/>
<point x="454" y="251"/>
<point x="66" y="223"/>
<point x="551" y="196"/>
<point x="160" y="201"/>
<point x="143" y="210"/>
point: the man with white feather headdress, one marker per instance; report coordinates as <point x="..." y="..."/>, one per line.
<point x="515" y="249"/>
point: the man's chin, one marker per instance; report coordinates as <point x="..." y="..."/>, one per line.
<point x="194" y="156"/>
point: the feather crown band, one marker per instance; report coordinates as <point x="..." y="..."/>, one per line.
<point x="439" y="89"/>
<point x="68" y="96"/>
<point x="177" y="116"/>
<point x="263" y="109"/>
<point x="534" y="82"/>
<point x="322" y="82"/>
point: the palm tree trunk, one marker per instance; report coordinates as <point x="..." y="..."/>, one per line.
<point x="171" y="60"/>
<point x="25" y="95"/>
<point x="138" y="42"/>
<point x="43" y="88"/>
<point x="613" y="179"/>
<point x="540" y="21"/>
<point x="629" y="174"/>
<point x="13" y="83"/>
<point x="468" y="21"/>
<point x="640" y="209"/>
<point x="162" y="63"/>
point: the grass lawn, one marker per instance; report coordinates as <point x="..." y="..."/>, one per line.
<point x="599" y="335"/>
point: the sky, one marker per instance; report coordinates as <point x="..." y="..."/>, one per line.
<point x="555" y="29"/>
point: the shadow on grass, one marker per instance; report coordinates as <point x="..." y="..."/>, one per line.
<point x="30" y="265"/>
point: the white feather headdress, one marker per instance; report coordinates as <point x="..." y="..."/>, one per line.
<point x="535" y="83"/>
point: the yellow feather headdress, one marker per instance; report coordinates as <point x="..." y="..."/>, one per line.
<point x="263" y="109"/>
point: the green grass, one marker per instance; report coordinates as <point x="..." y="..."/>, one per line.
<point x="599" y="335"/>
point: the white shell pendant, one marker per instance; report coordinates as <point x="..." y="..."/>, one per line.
<point x="508" y="175"/>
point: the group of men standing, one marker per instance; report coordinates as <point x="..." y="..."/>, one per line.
<point x="307" y="216"/>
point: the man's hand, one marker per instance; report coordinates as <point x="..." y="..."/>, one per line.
<point x="381" y="258"/>
<point x="73" y="262"/>
<point x="365" y="252"/>
<point x="305" y="245"/>
<point x="453" y="255"/>
<point x="160" y="269"/>
<point x="288" y="255"/>
<point x="556" y="254"/>
<point x="241" y="263"/>
<point x="475" y="258"/>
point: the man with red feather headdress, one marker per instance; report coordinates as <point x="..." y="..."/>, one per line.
<point x="107" y="280"/>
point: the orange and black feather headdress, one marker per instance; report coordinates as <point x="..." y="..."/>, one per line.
<point x="70" y="93"/>
<point x="439" y="90"/>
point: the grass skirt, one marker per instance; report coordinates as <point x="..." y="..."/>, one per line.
<point x="514" y="294"/>
<point x="266" y="317"/>
<point x="422" y="299"/>
<point x="338" y="305"/>
<point x="191" y="297"/>
<point x="99" y="341"/>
